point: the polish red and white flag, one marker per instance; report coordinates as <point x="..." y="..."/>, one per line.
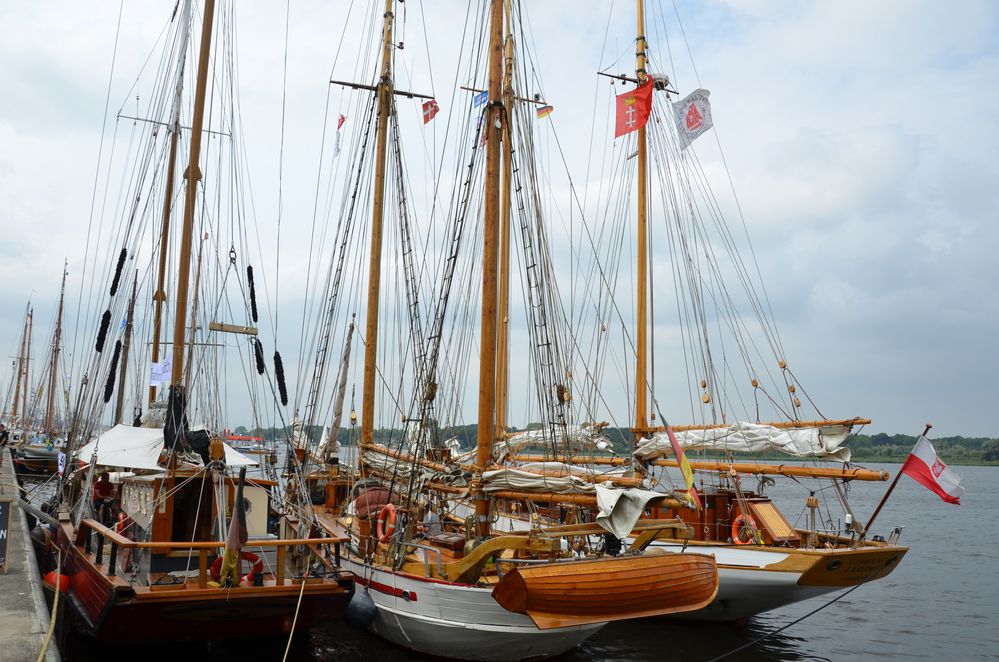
<point x="924" y="467"/>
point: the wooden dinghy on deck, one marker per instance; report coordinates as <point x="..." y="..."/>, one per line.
<point x="581" y="592"/>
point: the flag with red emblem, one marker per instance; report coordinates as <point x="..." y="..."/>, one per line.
<point x="924" y="467"/>
<point x="693" y="116"/>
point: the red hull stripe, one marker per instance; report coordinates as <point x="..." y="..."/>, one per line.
<point x="388" y="590"/>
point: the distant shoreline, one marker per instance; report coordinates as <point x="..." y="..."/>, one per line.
<point x="957" y="462"/>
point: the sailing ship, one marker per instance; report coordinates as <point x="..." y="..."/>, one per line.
<point x="764" y="560"/>
<point x="38" y="447"/>
<point x="443" y="584"/>
<point x="168" y="561"/>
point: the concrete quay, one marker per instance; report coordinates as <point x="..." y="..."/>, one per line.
<point x="24" y="616"/>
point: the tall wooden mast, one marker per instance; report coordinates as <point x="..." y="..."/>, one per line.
<point x="159" y="296"/>
<point x="642" y="321"/>
<point x="490" y="241"/>
<point x="54" y="367"/>
<point x="385" y="91"/>
<point x="20" y="370"/>
<point x="503" y="305"/>
<point x="27" y="363"/>
<point x="193" y="176"/>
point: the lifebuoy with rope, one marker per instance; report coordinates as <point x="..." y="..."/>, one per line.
<point x="386" y="523"/>
<point x="739" y="524"/>
<point x="256" y="567"/>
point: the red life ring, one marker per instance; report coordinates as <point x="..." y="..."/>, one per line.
<point x="256" y="567"/>
<point x="737" y="528"/>
<point x="386" y="522"/>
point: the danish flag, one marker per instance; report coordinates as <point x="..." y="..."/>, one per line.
<point x="430" y="109"/>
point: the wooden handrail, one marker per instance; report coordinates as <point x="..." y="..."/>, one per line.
<point x="122" y="541"/>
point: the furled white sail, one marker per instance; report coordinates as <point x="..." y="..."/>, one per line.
<point x="822" y="442"/>
<point x="578" y="437"/>
<point x="140" y="448"/>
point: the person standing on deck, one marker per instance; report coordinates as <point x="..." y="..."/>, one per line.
<point x="4" y="438"/>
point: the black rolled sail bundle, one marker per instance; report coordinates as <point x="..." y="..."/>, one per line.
<point x="102" y="333"/>
<point x="175" y="424"/>
<point x="109" y="384"/>
<point x="117" y="271"/>
<point x="253" y="293"/>
<point x="258" y="354"/>
<point x="279" y="373"/>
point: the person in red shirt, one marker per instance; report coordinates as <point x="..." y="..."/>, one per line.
<point x="103" y="495"/>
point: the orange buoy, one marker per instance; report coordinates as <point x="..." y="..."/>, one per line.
<point x="57" y="580"/>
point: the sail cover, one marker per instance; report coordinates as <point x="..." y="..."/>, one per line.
<point x="582" y="437"/>
<point x="816" y="442"/>
<point x="139" y="448"/>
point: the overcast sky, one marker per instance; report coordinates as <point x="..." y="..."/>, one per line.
<point x="861" y="139"/>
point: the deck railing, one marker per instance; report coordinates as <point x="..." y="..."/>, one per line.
<point x="203" y="547"/>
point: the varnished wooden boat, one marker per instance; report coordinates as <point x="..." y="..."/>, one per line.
<point x="579" y="592"/>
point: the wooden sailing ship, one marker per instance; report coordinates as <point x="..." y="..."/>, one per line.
<point x="764" y="561"/>
<point x="161" y="565"/>
<point x="456" y="588"/>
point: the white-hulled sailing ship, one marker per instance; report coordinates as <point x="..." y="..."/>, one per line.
<point x="441" y="583"/>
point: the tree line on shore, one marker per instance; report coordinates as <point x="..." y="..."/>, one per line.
<point x="877" y="447"/>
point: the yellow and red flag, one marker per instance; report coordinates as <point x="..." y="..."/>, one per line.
<point x="688" y="474"/>
<point x="229" y="574"/>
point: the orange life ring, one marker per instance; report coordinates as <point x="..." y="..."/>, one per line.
<point x="740" y="521"/>
<point x="256" y="567"/>
<point x="121" y="524"/>
<point x="386" y="522"/>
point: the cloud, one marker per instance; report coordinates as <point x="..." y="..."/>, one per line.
<point x="860" y="138"/>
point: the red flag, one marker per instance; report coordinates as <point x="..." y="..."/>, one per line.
<point x="924" y="467"/>
<point x="633" y="109"/>
<point x="430" y="109"/>
<point x="339" y="122"/>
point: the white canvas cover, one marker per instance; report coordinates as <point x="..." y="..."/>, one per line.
<point x="816" y="442"/>
<point x="139" y="448"/>
<point x="621" y="508"/>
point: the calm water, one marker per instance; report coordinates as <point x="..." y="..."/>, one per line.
<point x="942" y="603"/>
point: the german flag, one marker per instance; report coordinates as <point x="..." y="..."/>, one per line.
<point x="544" y="111"/>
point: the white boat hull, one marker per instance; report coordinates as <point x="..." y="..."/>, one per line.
<point x="746" y="586"/>
<point x="458" y="621"/>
